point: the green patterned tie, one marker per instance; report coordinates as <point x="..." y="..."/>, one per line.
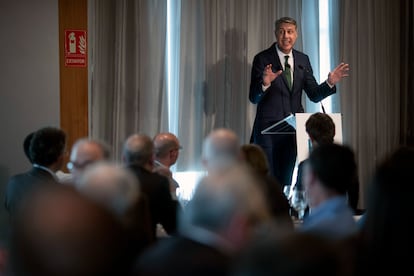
<point x="288" y="73"/>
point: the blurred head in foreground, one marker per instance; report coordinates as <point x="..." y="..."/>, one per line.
<point x="60" y="232"/>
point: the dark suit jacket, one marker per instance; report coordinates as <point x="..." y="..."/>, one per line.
<point x="278" y="101"/>
<point x="162" y="207"/>
<point x="182" y="256"/>
<point x="21" y="185"/>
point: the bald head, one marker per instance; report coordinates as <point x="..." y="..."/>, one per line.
<point x="139" y="150"/>
<point x="220" y="149"/>
<point x="166" y="146"/>
<point x="85" y="152"/>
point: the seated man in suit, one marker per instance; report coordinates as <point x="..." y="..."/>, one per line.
<point x="226" y="209"/>
<point x="62" y="176"/>
<point x="327" y="174"/>
<point x="167" y="149"/>
<point x="85" y="152"/>
<point x="47" y="150"/>
<point x="138" y="155"/>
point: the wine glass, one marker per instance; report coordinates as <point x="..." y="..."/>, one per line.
<point x="298" y="202"/>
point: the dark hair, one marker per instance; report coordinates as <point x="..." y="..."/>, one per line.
<point x="26" y="145"/>
<point x="387" y="231"/>
<point x="285" y="19"/>
<point x="334" y="165"/>
<point x="321" y="128"/>
<point x="391" y="190"/>
<point x="47" y="145"/>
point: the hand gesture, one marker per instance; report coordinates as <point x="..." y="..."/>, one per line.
<point x="338" y="73"/>
<point x="268" y="75"/>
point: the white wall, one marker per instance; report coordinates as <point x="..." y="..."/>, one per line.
<point x="29" y="78"/>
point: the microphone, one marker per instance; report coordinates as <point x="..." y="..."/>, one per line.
<point x="301" y="67"/>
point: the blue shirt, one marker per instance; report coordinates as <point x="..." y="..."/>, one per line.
<point x="332" y="219"/>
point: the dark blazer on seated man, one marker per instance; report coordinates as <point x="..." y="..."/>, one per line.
<point x="46" y="150"/>
<point x="138" y="154"/>
<point x="162" y="207"/>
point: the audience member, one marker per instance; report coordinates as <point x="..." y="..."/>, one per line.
<point x="221" y="149"/>
<point x="61" y="175"/>
<point x="118" y="189"/>
<point x="138" y="155"/>
<point x="167" y="148"/>
<point x="327" y="174"/>
<point x="59" y="232"/>
<point x="386" y="234"/>
<point x="224" y="213"/>
<point x="84" y="152"/>
<point x="321" y="130"/>
<point x="46" y="151"/>
<point x="279" y="206"/>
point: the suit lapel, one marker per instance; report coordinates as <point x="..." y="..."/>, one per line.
<point x="296" y="74"/>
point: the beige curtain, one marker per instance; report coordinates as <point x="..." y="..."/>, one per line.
<point x="370" y="100"/>
<point x="127" y="69"/>
<point x="218" y="39"/>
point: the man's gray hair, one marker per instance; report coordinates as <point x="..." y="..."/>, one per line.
<point x="220" y="148"/>
<point x="219" y="197"/>
<point x="287" y="20"/>
<point x="110" y="185"/>
<point x="138" y="149"/>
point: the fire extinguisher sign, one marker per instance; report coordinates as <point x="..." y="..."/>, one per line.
<point x="75" y="48"/>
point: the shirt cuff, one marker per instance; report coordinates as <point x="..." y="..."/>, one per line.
<point x="264" y="88"/>
<point x="330" y="85"/>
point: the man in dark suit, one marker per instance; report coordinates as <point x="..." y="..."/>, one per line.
<point x="279" y="75"/>
<point x="47" y="149"/>
<point x="138" y="154"/>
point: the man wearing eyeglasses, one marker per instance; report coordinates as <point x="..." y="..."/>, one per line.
<point x="85" y="152"/>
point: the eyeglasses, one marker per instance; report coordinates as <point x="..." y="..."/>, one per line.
<point x="73" y="165"/>
<point x="177" y="148"/>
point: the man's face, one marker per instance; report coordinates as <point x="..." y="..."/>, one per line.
<point x="286" y="36"/>
<point x="83" y="156"/>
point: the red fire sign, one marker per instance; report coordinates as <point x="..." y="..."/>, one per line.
<point x="75" y="48"/>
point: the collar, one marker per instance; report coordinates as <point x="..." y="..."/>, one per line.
<point x="159" y="164"/>
<point x="45" y="169"/>
<point x="282" y="55"/>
